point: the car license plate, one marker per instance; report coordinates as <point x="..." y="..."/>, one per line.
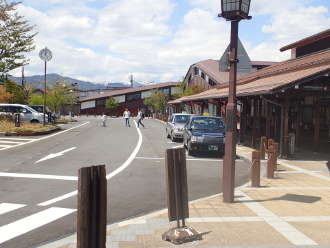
<point x="213" y="148"/>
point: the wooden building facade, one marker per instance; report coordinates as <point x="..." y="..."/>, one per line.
<point x="288" y="101"/>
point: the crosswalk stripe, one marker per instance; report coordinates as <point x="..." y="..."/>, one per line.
<point x="16" y="139"/>
<point x="32" y="222"/>
<point x="10" y="142"/>
<point x="7" y="207"/>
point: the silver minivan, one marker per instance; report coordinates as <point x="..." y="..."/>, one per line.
<point x="175" y="125"/>
<point x="27" y="113"/>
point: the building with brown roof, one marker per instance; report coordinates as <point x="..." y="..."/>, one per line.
<point x="131" y="98"/>
<point x="288" y="99"/>
<point x="211" y="73"/>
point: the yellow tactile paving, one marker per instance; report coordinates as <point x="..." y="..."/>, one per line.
<point x="318" y="231"/>
<point x="218" y="234"/>
<point x="215" y="207"/>
<point x="294" y="180"/>
<point x="295" y="202"/>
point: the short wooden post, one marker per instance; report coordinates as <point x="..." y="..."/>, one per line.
<point x="177" y="197"/>
<point x="92" y="207"/>
<point x="255" y="170"/>
<point x="276" y="153"/>
<point x="17" y="118"/>
<point x="270" y="162"/>
<point x="263" y="142"/>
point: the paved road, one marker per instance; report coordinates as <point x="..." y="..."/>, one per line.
<point x="38" y="199"/>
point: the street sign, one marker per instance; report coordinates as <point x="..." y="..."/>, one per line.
<point x="45" y="54"/>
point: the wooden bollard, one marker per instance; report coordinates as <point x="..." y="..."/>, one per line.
<point x="270" y="162"/>
<point x="92" y="207"/>
<point x="263" y="142"/>
<point x="255" y="170"/>
<point x="276" y="151"/>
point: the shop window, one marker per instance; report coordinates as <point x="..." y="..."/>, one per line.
<point x="133" y="97"/>
<point x="100" y="102"/>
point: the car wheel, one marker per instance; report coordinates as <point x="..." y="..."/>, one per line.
<point x="34" y="121"/>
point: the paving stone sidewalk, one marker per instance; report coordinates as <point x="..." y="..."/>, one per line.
<point x="291" y="210"/>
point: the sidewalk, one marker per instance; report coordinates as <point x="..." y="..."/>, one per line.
<point x="292" y="210"/>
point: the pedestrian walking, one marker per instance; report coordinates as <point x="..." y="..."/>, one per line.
<point x="104" y="120"/>
<point x="140" y="117"/>
<point x="127" y="115"/>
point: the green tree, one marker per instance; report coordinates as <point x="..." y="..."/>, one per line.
<point x="111" y="104"/>
<point x="36" y="100"/>
<point x="193" y="90"/>
<point x="17" y="92"/>
<point x="61" y="94"/>
<point x="157" y="101"/>
<point x="16" y="38"/>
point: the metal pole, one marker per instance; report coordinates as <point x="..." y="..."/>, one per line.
<point x="231" y="125"/>
<point x="45" y="86"/>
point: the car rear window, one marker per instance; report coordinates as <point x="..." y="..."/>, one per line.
<point x="181" y="118"/>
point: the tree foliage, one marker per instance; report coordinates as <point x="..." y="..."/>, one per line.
<point x="5" y="96"/>
<point x="61" y="94"/>
<point x="111" y="104"/>
<point x="36" y="100"/>
<point x="16" y="38"/>
<point x="157" y="101"/>
<point x="17" y="92"/>
<point x="193" y="90"/>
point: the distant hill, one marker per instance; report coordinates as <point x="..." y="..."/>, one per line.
<point x="38" y="82"/>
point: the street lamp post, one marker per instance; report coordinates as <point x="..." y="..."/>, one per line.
<point x="45" y="55"/>
<point x="234" y="11"/>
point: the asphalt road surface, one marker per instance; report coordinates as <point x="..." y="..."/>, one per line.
<point x="38" y="177"/>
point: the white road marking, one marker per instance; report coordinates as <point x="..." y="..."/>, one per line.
<point x="109" y="176"/>
<point x="32" y="222"/>
<point x="16" y="139"/>
<point x="8" y="207"/>
<point x="9" y="142"/>
<point x="54" y="155"/>
<point x="308" y="172"/>
<point x="38" y="176"/>
<point x="29" y="141"/>
<point x="288" y="231"/>
<point x="59" y="198"/>
<point x="5" y="146"/>
<point x="287" y="188"/>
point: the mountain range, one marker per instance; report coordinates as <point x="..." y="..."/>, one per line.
<point x="38" y="82"/>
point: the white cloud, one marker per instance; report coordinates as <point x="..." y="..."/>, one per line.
<point x="136" y="36"/>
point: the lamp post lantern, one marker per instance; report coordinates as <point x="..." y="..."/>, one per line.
<point x="234" y="11"/>
<point x="45" y="55"/>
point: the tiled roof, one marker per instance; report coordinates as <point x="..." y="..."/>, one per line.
<point x="268" y="63"/>
<point x="307" y="40"/>
<point x="272" y="77"/>
<point x="130" y="90"/>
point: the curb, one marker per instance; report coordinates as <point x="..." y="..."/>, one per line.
<point x="31" y="133"/>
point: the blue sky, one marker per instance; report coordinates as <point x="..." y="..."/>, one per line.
<point x="157" y="40"/>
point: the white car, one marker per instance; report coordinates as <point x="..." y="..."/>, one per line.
<point x="27" y="113"/>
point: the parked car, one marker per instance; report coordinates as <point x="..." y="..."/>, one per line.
<point x="204" y="134"/>
<point x="40" y="109"/>
<point x="175" y="126"/>
<point x="27" y="113"/>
